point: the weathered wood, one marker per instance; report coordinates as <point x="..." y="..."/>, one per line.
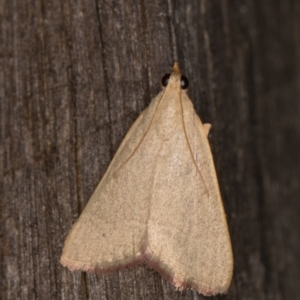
<point x="76" y="74"/>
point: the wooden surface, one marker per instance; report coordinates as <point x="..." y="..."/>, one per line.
<point x="76" y="74"/>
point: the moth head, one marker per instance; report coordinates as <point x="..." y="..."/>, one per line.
<point x="175" y="78"/>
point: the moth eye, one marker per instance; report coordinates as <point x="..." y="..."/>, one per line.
<point x="165" y="80"/>
<point x="184" y="82"/>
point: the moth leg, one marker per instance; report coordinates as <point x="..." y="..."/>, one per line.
<point x="207" y="127"/>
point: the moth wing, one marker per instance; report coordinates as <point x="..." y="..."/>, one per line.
<point x="188" y="239"/>
<point x="110" y="232"/>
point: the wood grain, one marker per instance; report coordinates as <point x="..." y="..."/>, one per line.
<point x="73" y="78"/>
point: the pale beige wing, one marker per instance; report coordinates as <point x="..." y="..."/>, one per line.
<point x="110" y="232"/>
<point x="188" y="239"/>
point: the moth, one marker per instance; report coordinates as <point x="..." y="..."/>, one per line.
<point x="159" y="201"/>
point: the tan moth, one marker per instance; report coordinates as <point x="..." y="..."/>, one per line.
<point x="159" y="201"/>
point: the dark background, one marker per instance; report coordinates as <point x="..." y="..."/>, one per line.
<point x="76" y="74"/>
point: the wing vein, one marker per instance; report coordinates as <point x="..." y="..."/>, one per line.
<point x="189" y="145"/>
<point x="143" y="137"/>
